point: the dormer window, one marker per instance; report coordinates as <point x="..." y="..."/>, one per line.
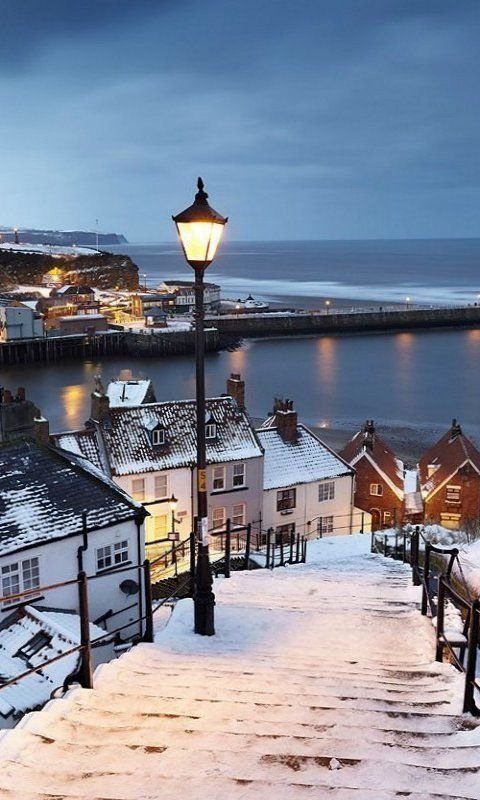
<point x="158" y="436"/>
<point x="210" y="427"/>
<point x="211" y="430"/>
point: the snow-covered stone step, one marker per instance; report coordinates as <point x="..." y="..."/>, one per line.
<point x="347" y="747"/>
<point x="147" y="765"/>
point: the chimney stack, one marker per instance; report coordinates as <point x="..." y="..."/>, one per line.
<point x="236" y="389"/>
<point x="100" y="406"/>
<point x="41" y="429"/>
<point x="456" y="429"/>
<point x="20" y="394"/>
<point x="369" y="434"/>
<point x="286" y="420"/>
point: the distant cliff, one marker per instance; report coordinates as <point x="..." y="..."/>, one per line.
<point x="105" y="270"/>
<point x="84" y="238"/>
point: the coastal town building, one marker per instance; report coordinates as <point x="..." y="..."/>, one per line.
<point x="449" y="476"/>
<point x="379" y="485"/>
<point x="143" y="302"/>
<point x="184" y="293"/>
<point x="68" y="301"/>
<point x="80" y="323"/>
<point x="19" y="321"/>
<point x="29" y="637"/>
<point x="150" y="452"/>
<point x="308" y="489"/>
<point x="58" y="516"/>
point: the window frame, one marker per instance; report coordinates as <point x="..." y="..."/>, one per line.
<point x="164" y="477"/>
<point x="16" y="573"/>
<point x="242" y="515"/>
<point x="376" y="493"/>
<point x="158" y="437"/>
<point x="210" y="430"/>
<point x="219" y="477"/>
<point x="453" y="494"/>
<point x="325" y="525"/>
<point x="286" y="499"/>
<point x="118" y="548"/>
<point x="137" y="495"/>
<point x="215" y="510"/>
<point x="242" y="475"/>
<point x="327" y="488"/>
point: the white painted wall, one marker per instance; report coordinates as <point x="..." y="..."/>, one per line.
<point x="19" y="322"/>
<point x="309" y="508"/>
<point x="58" y="563"/>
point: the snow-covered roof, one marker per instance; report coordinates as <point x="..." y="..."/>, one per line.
<point x="61" y="632"/>
<point x="128" y="393"/>
<point x="125" y="436"/>
<point x="43" y="494"/>
<point x="289" y="463"/>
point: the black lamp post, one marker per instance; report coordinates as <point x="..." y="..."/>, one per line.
<point x="200" y="229"/>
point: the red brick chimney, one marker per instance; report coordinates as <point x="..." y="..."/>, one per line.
<point x="286" y="420"/>
<point x="236" y="389"/>
<point x="369" y="434"/>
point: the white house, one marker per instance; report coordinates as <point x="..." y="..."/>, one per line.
<point x="184" y="292"/>
<point x="19" y="321"/>
<point x="150" y="452"/>
<point x="59" y="516"/>
<point x="308" y="489"/>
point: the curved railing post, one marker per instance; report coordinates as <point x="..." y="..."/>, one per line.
<point x="469" y="705"/>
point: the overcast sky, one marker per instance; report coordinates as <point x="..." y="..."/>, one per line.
<point x="306" y="118"/>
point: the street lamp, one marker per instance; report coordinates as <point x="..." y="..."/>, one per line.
<point x="173" y="503"/>
<point x="407" y="299"/>
<point x="200" y="229"/>
<point x="327" y="305"/>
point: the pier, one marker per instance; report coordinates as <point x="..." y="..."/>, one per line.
<point x="229" y="329"/>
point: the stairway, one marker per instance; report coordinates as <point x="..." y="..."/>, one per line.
<point x="320" y="683"/>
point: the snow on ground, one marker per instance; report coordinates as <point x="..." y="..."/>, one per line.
<point x="319" y="682"/>
<point x="49" y="249"/>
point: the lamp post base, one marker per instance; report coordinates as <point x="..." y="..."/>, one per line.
<point x="204" y="598"/>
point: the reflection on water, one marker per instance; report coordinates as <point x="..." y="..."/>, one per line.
<point x="74" y="403"/>
<point x="414" y="379"/>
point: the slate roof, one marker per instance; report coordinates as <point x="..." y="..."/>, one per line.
<point x="379" y="454"/>
<point x="74" y="289"/>
<point x="43" y="493"/>
<point x="62" y="631"/>
<point x="305" y="460"/>
<point x="125" y="437"/>
<point x="447" y="456"/>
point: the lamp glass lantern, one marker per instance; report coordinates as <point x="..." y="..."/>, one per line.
<point x="200" y="229"/>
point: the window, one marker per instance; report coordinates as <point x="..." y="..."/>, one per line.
<point x="218" y="478"/>
<point x="376" y="489"/>
<point x="218" y="518"/>
<point x="238" y="514"/>
<point x="161" y="486"/>
<point x="239" y="474"/>
<point x="111" y="555"/>
<point x="160" y="525"/>
<point x="454" y="494"/>
<point x="210" y="430"/>
<point x="158" y="436"/>
<point x="326" y="491"/>
<point x="387" y="518"/>
<point x="284" y="533"/>
<point x="138" y="489"/>
<point x="33" y="646"/>
<point x="286" y="499"/>
<point x="20" y="576"/>
<point x="324" y="526"/>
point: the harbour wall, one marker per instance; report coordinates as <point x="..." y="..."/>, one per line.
<point x="229" y="330"/>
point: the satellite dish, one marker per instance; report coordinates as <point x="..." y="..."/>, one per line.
<point x="129" y="587"/>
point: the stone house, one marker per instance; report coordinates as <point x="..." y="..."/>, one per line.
<point x="19" y="321"/>
<point x="379" y="484"/>
<point x="308" y="489"/>
<point x="449" y="476"/>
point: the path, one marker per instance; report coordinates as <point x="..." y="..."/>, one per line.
<point x="320" y="683"/>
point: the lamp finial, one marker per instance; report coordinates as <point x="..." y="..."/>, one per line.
<point x="201" y="196"/>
